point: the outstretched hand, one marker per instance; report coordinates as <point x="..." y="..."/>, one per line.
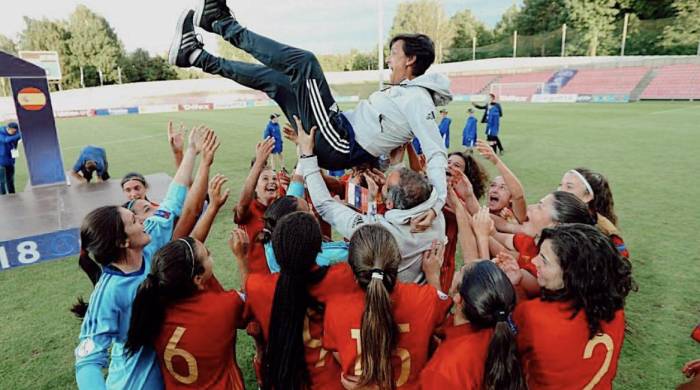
<point x="176" y="138"/>
<point x="210" y="145"/>
<point x="239" y="243"/>
<point x="486" y="151"/>
<point x="263" y="150"/>
<point x="482" y="223"/>
<point x="423" y="221"/>
<point x="305" y="141"/>
<point x="290" y="133"/>
<point x="217" y="195"/>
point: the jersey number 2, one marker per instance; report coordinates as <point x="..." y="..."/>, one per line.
<point x="171" y="351"/>
<point x="607" y="341"/>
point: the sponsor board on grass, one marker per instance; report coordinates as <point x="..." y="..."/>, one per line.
<point x="611" y="98"/>
<point x="513" y="98"/>
<point x="71" y="113"/>
<point x="584" y="98"/>
<point x="196" y="107"/>
<point x="116" y="111"/>
<point x="554" y="98"/>
<point x="156" y="108"/>
<point x="230" y="105"/>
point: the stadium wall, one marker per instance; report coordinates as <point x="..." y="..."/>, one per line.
<point x="218" y="93"/>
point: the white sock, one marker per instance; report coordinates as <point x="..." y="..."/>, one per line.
<point x="194" y="55"/>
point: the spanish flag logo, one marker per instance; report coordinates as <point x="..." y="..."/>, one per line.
<point x="31" y="99"/>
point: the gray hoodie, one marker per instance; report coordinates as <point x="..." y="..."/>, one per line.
<point x="393" y="117"/>
<point x="345" y="220"/>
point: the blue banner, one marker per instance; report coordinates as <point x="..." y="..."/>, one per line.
<point x="38" y="128"/>
<point x="38" y="249"/>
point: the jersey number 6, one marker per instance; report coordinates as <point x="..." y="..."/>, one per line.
<point x="171" y="351"/>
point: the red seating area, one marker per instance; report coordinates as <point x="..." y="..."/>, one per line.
<point x="519" y="86"/>
<point x="467" y="85"/>
<point x="680" y="81"/>
<point x="605" y="81"/>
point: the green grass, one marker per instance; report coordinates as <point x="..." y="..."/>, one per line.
<point x="647" y="150"/>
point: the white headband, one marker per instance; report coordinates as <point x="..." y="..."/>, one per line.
<point x="584" y="181"/>
<point x="191" y="252"/>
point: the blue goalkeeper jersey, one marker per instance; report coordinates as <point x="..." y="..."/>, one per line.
<point x="106" y="323"/>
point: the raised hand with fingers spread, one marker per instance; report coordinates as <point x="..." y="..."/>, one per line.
<point x="217" y="194"/>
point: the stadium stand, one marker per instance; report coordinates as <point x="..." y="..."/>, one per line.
<point x="466" y="85"/>
<point x="605" y="81"/>
<point x="680" y="81"/>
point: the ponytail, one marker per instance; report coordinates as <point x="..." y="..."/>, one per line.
<point x="502" y="370"/>
<point x="296" y="241"/>
<point x="378" y="334"/>
<point x="488" y="301"/>
<point x="170" y="280"/>
<point x="374" y="257"/>
<point x="147" y="315"/>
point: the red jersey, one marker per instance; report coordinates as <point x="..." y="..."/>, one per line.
<point x="556" y="352"/>
<point x="447" y="270"/>
<point x="459" y="361"/>
<point x="252" y="222"/>
<point x="324" y="371"/>
<point x="197" y="343"/>
<point x="527" y="250"/>
<point x="418" y="310"/>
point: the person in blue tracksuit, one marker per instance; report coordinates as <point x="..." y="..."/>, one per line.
<point x="444" y="127"/>
<point x="9" y="137"/>
<point x="273" y="130"/>
<point x="469" y="134"/>
<point x="493" y="125"/>
<point x="91" y="159"/>
<point x="116" y="250"/>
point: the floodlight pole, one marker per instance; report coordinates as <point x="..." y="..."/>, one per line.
<point x="515" y="42"/>
<point x="624" y="35"/>
<point x="563" y="40"/>
<point x="473" y="48"/>
<point x="380" y="42"/>
<point x="698" y="47"/>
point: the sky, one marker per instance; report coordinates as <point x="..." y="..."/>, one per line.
<point x="322" y="26"/>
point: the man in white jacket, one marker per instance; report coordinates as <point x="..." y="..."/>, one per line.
<point x="406" y="194"/>
<point x="294" y="79"/>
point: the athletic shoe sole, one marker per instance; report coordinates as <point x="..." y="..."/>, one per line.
<point x="177" y="40"/>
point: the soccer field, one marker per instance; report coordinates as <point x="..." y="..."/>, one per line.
<point x="648" y="151"/>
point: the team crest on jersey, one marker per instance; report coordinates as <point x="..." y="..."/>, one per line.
<point x="85" y="348"/>
<point x="358" y="221"/>
<point x="431" y="115"/>
<point x="162" y="214"/>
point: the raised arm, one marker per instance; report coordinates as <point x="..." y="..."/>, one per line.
<point x="197" y="193"/>
<point x="262" y="152"/>
<point x="514" y="185"/>
<point x="183" y="175"/>
<point x="465" y="235"/>
<point x="176" y="139"/>
<point x="341" y="217"/>
<point x="217" y="198"/>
